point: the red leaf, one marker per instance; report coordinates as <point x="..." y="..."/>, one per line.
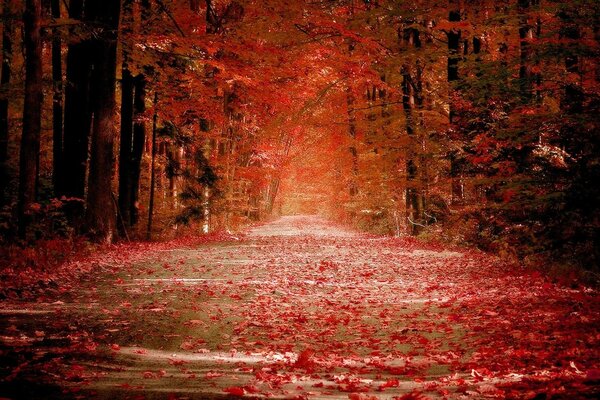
<point x="235" y="390"/>
<point x="390" y="383"/>
<point x="305" y="360"/>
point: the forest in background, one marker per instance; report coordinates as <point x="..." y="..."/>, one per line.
<point x="473" y="121"/>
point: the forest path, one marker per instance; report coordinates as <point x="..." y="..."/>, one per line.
<point x="300" y="308"/>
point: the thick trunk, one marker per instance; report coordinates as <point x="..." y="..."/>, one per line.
<point x="32" y="112"/>
<point x="77" y="118"/>
<point x="77" y="122"/>
<point x="7" y="55"/>
<point x="57" y="103"/>
<point x="100" y="213"/>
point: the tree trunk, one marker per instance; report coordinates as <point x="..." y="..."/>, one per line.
<point x="126" y="137"/>
<point x="574" y="95"/>
<point x="57" y="102"/>
<point x="100" y="213"/>
<point x="139" y="138"/>
<point x="525" y="37"/>
<point x="77" y="118"/>
<point x="454" y="38"/>
<point x="350" y="100"/>
<point x="195" y="6"/>
<point x="414" y="198"/>
<point x="152" y="170"/>
<point x="7" y="56"/>
<point x="212" y="19"/>
<point x="32" y="113"/>
<point x="125" y="150"/>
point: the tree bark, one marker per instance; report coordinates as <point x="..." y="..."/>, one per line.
<point x="454" y="38"/>
<point x="77" y="118"/>
<point x="139" y="138"/>
<point x="152" y="170"/>
<point x="195" y="6"/>
<point x="525" y="37"/>
<point x="7" y="56"/>
<point x="213" y="24"/>
<point x="350" y="100"/>
<point x="57" y="102"/>
<point x="32" y="113"/>
<point x="100" y="214"/>
<point x="126" y="137"/>
<point x="411" y="95"/>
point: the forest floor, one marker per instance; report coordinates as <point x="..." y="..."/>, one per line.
<point x="300" y="308"/>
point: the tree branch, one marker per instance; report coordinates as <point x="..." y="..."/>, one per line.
<point x="170" y="15"/>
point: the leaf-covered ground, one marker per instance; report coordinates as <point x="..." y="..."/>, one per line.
<point x="302" y="309"/>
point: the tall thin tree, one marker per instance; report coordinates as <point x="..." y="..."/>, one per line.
<point x="57" y="101"/>
<point x="454" y="38"/>
<point x="126" y="136"/>
<point x="152" y="169"/>
<point x="32" y="113"/>
<point x="5" y="77"/>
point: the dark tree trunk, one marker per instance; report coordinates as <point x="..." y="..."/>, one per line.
<point x="411" y="167"/>
<point x="133" y="127"/>
<point x="353" y="184"/>
<point x="525" y="37"/>
<point x="574" y="96"/>
<point x="454" y="39"/>
<point x="77" y="118"/>
<point x="7" y="55"/>
<point x="152" y="170"/>
<point x="195" y="6"/>
<point x="213" y="24"/>
<point x="139" y="138"/>
<point x="125" y="150"/>
<point x="350" y="100"/>
<point x="573" y="99"/>
<point x="411" y="94"/>
<point x="126" y="137"/>
<point x="57" y="103"/>
<point x="100" y="214"/>
<point x="32" y="113"/>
